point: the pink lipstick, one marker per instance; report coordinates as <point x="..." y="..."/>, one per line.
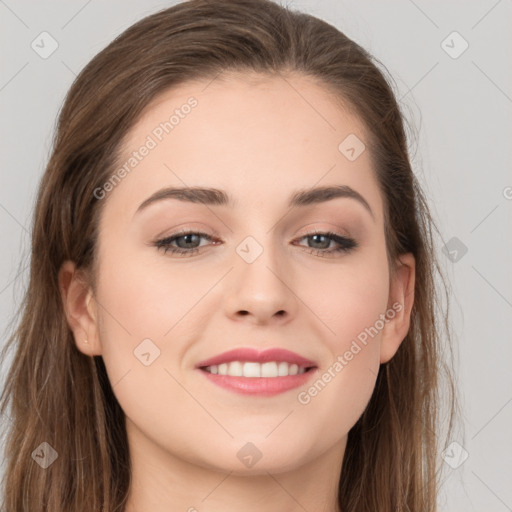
<point x="249" y="371"/>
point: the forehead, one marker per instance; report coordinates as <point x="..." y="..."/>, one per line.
<point x="245" y="133"/>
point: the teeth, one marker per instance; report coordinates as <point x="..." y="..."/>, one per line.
<point x="250" y="369"/>
<point x="236" y="369"/>
<point x="269" y="370"/>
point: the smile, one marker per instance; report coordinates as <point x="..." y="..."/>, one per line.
<point x="270" y="369"/>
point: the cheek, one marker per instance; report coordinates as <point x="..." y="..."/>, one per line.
<point x="143" y="300"/>
<point x="348" y="298"/>
<point x="132" y="307"/>
<point x="350" y="309"/>
<point x="146" y="297"/>
<point x="140" y="304"/>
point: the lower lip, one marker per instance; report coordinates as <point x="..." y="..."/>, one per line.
<point x="259" y="386"/>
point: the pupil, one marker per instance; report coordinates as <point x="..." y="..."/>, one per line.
<point x="187" y="238"/>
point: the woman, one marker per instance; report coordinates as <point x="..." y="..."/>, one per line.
<point x="232" y="297"/>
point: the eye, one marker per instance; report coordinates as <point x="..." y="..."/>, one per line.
<point x="322" y="241"/>
<point x="188" y="243"/>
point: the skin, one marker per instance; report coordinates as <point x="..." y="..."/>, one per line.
<point x="259" y="140"/>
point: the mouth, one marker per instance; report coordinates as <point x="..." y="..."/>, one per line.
<point x="250" y="372"/>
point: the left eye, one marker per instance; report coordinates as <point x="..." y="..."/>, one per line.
<point x="187" y="243"/>
<point x="345" y="244"/>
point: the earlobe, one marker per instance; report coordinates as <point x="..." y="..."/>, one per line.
<point x="78" y="304"/>
<point x="400" y="303"/>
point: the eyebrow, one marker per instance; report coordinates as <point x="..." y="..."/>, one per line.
<point x="217" y="197"/>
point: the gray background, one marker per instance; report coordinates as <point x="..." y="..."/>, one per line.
<point x="460" y="115"/>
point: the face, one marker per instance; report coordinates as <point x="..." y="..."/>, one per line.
<point x="267" y="264"/>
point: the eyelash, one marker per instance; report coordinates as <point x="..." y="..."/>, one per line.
<point x="346" y="244"/>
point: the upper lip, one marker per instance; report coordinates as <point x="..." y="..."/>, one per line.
<point x="254" y="355"/>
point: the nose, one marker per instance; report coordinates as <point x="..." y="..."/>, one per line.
<point x="260" y="292"/>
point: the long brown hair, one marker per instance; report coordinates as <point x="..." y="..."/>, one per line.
<point x="58" y="395"/>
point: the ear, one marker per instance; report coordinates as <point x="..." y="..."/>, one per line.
<point x="80" y="308"/>
<point x="400" y="302"/>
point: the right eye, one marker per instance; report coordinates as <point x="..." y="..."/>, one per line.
<point x="187" y="240"/>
